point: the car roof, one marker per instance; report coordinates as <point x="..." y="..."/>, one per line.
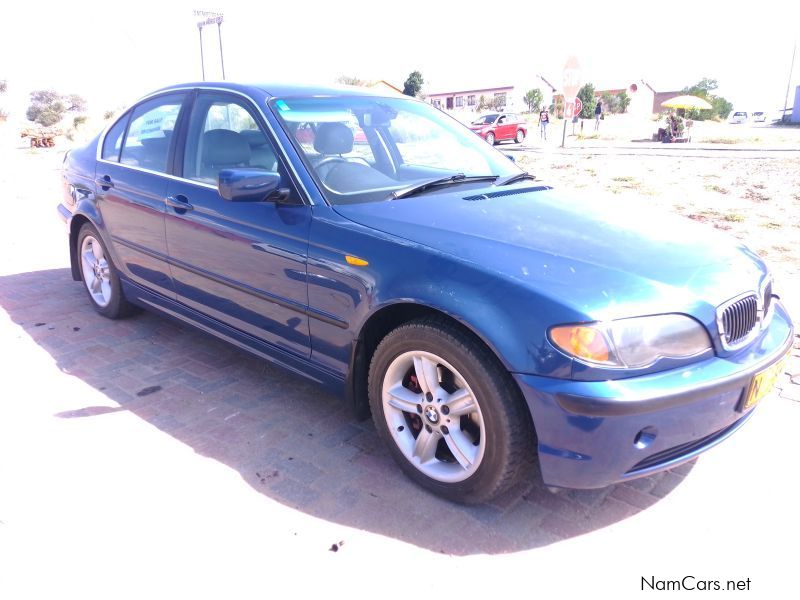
<point x="279" y="89"/>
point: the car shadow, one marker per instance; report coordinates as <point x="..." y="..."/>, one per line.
<point x="289" y="438"/>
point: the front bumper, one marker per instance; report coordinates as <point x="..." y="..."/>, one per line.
<point x="595" y="433"/>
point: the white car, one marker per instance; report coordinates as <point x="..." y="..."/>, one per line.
<point x="759" y="117"/>
<point x="739" y="117"/>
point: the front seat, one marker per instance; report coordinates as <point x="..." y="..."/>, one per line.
<point x="222" y="149"/>
<point x="331" y="141"/>
<point x="338" y="173"/>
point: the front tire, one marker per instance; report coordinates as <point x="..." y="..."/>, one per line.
<point x="99" y="275"/>
<point x="450" y="414"/>
<point x="490" y="138"/>
<point x="520" y="136"/>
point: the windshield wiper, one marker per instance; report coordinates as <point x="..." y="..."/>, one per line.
<point x="514" y="178"/>
<point x="440" y="181"/>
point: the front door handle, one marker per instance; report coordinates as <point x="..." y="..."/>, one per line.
<point x="179" y="203"/>
<point x="104" y="182"/>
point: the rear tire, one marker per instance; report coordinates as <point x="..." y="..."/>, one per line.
<point x="451" y="415"/>
<point x="490" y="138"/>
<point x="520" y="136"/>
<point x="100" y="276"/>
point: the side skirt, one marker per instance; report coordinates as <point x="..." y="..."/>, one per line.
<point x="296" y="364"/>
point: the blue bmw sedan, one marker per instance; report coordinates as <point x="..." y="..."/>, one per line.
<point x="375" y="245"/>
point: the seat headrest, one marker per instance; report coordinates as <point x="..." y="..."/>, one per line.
<point x="225" y="147"/>
<point x="333" y="138"/>
<point x="254" y="137"/>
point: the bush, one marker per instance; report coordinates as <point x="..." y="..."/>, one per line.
<point x="109" y="114"/>
<point x="586" y="95"/>
<point x="623" y="101"/>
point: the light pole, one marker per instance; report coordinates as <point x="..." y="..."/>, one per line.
<point x="788" y="86"/>
<point x="210" y="18"/>
<point x="202" y="62"/>
<point x="221" y="59"/>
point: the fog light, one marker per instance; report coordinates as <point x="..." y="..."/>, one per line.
<point x="645" y="437"/>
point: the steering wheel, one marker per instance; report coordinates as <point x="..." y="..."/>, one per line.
<point x="328" y="160"/>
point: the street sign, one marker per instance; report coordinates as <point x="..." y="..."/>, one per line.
<point x="571" y="78"/>
<point x="573" y="108"/>
<point x="571" y="83"/>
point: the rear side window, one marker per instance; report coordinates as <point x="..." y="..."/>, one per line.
<point x="150" y="133"/>
<point x="113" y="140"/>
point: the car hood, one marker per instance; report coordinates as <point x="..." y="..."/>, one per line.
<point x="604" y="258"/>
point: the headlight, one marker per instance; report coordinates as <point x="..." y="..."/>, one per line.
<point x="632" y="343"/>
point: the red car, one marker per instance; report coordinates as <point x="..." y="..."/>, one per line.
<point x="496" y="127"/>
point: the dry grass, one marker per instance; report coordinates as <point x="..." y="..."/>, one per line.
<point x="754" y="200"/>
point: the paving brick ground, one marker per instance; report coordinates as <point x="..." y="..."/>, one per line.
<point x="141" y="457"/>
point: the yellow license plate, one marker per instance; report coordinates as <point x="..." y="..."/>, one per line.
<point x="763" y="383"/>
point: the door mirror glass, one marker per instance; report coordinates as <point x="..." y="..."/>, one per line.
<point x="248" y="185"/>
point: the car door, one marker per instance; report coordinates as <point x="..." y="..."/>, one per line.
<point x="242" y="263"/>
<point x="131" y="186"/>
<point x="509" y="127"/>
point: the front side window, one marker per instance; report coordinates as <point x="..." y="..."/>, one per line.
<point x="150" y="133"/>
<point x="224" y="134"/>
<point x="363" y="149"/>
<point x="485" y="120"/>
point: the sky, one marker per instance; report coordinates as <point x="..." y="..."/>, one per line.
<point x="112" y="52"/>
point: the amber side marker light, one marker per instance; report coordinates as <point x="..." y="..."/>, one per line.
<point x="581" y="341"/>
<point x="354" y="260"/>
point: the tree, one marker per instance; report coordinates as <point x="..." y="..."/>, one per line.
<point x="623" y="101"/>
<point x="75" y="103"/>
<point x="533" y="98"/>
<point x="720" y="107"/>
<point x="48" y="106"/>
<point x="347" y="80"/>
<point x="609" y="103"/>
<point x="586" y="95"/>
<point x="482" y="104"/>
<point x="413" y="84"/>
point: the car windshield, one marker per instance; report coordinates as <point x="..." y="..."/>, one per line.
<point x="365" y="148"/>
<point x="485" y="120"/>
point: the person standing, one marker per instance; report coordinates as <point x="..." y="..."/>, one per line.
<point x="544" y="121"/>
<point x="598" y="113"/>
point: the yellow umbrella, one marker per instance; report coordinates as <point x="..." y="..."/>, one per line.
<point x="686" y="102"/>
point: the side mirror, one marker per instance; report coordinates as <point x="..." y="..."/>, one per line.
<point x="250" y="185"/>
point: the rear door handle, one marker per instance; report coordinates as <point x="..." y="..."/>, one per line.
<point x="104" y="182"/>
<point x="179" y="203"/>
